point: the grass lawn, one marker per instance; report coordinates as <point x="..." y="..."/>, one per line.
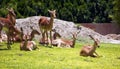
<point x="59" y="58"/>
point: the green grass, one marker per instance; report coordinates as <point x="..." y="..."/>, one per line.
<point x="59" y="58"/>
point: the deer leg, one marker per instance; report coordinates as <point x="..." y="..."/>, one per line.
<point x="29" y="49"/>
<point x="43" y="37"/>
<point x="96" y="53"/>
<point x="47" y="38"/>
<point x="59" y="44"/>
<point x="51" y="37"/>
<point x="12" y="38"/>
<point x="8" y="41"/>
<point x="10" y="32"/>
<point x="93" y="55"/>
<point x="0" y="30"/>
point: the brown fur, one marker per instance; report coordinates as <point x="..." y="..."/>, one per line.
<point x="27" y="44"/>
<point x="89" y="50"/>
<point x="19" y="38"/>
<point x="66" y="43"/>
<point x="8" y="23"/>
<point x="47" y="25"/>
<point x="56" y="35"/>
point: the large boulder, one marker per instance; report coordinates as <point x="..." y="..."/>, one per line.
<point x="64" y="28"/>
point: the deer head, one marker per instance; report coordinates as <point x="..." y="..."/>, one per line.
<point x="34" y="31"/>
<point x="96" y="41"/>
<point x="11" y="11"/>
<point x="52" y="13"/>
<point x="74" y="35"/>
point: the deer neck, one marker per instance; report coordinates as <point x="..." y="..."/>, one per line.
<point x="51" y="21"/>
<point x="25" y="44"/>
<point x="32" y="36"/>
<point x="73" y="43"/>
<point x="94" y="45"/>
<point x="11" y="18"/>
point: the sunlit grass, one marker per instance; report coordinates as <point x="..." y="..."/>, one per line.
<point x="59" y="58"/>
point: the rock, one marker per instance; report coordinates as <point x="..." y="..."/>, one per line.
<point x="64" y="28"/>
<point x="113" y="36"/>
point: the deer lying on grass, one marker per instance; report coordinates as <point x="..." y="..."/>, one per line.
<point x="3" y="38"/>
<point x="66" y="43"/>
<point x="47" y="41"/>
<point x="47" y="25"/>
<point x="27" y="43"/>
<point x="89" y="50"/>
<point x="34" y="32"/>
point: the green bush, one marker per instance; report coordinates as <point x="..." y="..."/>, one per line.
<point x="79" y="11"/>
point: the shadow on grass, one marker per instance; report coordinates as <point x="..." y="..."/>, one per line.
<point x="118" y="58"/>
<point x="46" y="46"/>
<point x="1" y="49"/>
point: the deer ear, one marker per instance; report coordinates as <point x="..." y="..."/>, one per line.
<point x="53" y="30"/>
<point x="11" y="9"/>
<point x="54" y="10"/>
<point x="92" y="37"/>
<point x="7" y="8"/>
<point x="97" y="40"/>
<point x="49" y="11"/>
<point x="78" y="32"/>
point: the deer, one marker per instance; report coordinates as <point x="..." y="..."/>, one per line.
<point x="27" y="44"/>
<point x="47" y="25"/>
<point x="34" y="32"/>
<point x="8" y="23"/>
<point x="66" y="43"/>
<point x="47" y="41"/>
<point x="10" y="20"/>
<point x="3" y="37"/>
<point x="90" y="50"/>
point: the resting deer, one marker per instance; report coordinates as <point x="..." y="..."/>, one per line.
<point x="17" y="37"/>
<point x="33" y="33"/>
<point x="89" y="50"/>
<point x="27" y="43"/>
<point x="47" y="25"/>
<point x="47" y="41"/>
<point x="66" y="43"/>
<point x="8" y="23"/>
<point x="3" y="38"/>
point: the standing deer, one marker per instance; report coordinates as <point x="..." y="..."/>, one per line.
<point x="89" y="50"/>
<point x="47" y="25"/>
<point x="66" y="43"/>
<point x="8" y="23"/>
